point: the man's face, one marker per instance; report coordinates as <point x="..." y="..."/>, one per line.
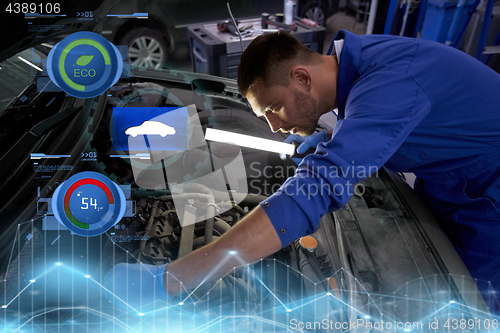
<point x="286" y="109"/>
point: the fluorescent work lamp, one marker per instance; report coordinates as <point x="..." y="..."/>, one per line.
<point x="249" y="141"/>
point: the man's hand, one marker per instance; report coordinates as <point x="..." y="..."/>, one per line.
<point x="141" y="285"/>
<point x="251" y="239"/>
<point x="136" y="285"/>
<point x="306" y="142"/>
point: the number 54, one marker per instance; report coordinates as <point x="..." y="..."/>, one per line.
<point x="85" y="203"/>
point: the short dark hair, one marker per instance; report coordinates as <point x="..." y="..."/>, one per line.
<point x="269" y="58"/>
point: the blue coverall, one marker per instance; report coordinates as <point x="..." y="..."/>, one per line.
<point x="413" y="106"/>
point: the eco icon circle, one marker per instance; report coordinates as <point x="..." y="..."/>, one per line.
<point x="84" y="64"/>
<point x="88" y="203"/>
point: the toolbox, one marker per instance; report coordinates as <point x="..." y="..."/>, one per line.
<point x="218" y="53"/>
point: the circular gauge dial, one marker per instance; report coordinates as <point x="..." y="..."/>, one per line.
<point x="88" y="204"/>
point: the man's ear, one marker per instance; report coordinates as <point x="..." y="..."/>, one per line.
<point x="301" y="76"/>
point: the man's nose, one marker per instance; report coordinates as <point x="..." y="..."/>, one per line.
<point x="274" y="122"/>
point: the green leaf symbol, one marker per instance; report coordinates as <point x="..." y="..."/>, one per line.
<point x="84" y="60"/>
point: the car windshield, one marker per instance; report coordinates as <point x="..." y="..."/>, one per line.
<point x="28" y="96"/>
<point x="18" y="72"/>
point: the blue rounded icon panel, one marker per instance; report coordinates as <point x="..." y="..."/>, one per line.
<point x="84" y="64"/>
<point x="88" y="204"/>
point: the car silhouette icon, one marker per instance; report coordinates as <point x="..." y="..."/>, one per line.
<point x="150" y="127"/>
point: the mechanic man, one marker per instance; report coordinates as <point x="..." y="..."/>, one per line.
<point x="409" y="104"/>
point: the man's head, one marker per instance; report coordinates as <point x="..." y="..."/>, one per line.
<point x="286" y="82"/>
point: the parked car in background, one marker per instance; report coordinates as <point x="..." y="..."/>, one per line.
<point x="155" y="40"/>
<point x="316" y="10"/>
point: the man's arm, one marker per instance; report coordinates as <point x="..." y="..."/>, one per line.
<point x="253" y="238"/>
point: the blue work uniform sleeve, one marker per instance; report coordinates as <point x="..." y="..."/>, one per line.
<point x="381" y="111"/>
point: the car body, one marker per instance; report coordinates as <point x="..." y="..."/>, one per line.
<point x="381" y="258"/>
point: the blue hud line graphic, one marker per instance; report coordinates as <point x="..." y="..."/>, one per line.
<point x="44" y="293"/>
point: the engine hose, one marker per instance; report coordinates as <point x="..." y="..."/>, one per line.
<point x="204" y="193"/>
<point x="307" y="269"/>
<point x="201" y="192"/>
<point x="239" y="209"/>
<point x="124" y="174"/>
<point x="229" y="205"/>
<point x="197" y="188"/>
<point x="221" y="226"/>
<point x="168" y="212"/>
<point x="209" y="224"/>
<point x="232" y="215"/>
<point x="200" y="241"/>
